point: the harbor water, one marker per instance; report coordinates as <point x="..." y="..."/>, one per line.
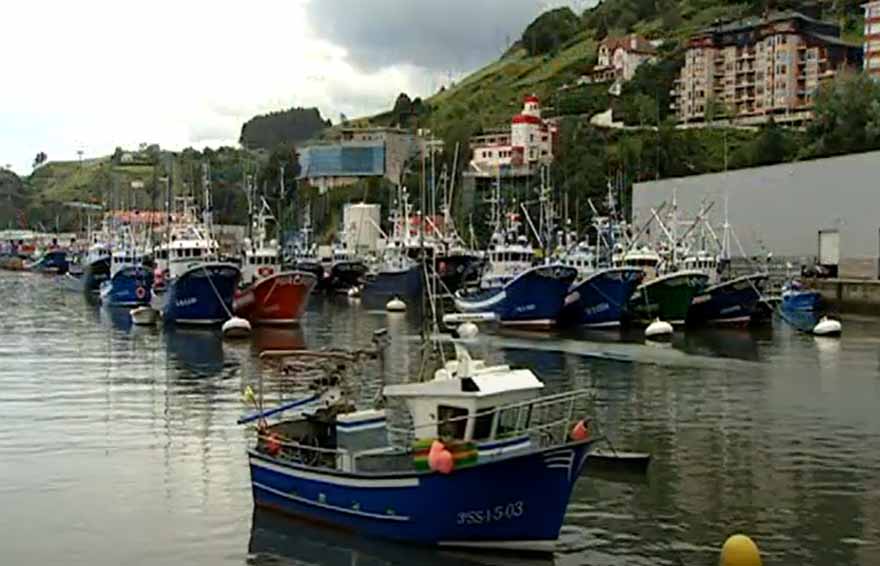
<point x="119" y="444"/>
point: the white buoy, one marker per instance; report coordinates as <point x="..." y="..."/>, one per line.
<point x="395" y="305"/>
<point x="354" y="292"/>
<point x="658" y="329"/>
<point x="827" y="327"/>
<point x="143" y="316"/>
<point x="468" y="330"/>
<point x="236" y="327"/>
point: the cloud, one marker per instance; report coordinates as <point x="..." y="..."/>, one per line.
<point x="449" y="36"/>
<point x="96" y="74"/>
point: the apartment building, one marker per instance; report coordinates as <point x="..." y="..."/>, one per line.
<point x="750" y="70"/>
<point x="872" y="38"/>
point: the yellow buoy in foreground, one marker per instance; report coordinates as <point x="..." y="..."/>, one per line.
<point x="740" y="550"/>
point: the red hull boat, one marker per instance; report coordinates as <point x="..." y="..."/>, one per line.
<point x="276" y="299"/>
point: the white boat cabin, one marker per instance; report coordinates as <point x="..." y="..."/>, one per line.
<point x="582" y="258"/>
<point x="461" y="401"/>
<point x="260" y="262"/>
<point x="506" y="260"/>
<point x="644" y="258"/>
<point x="704" y="262"/>
<point x="188" y="248"/>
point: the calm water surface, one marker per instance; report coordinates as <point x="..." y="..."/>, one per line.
<point x="118" y="445"/>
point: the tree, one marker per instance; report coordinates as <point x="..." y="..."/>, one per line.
<point x="550" y="30"/>
<point x="847" y="115"/>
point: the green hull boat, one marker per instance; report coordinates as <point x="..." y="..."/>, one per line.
<point x="667" y="298"/>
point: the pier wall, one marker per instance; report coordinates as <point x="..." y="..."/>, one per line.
<point x="850" y="295"/>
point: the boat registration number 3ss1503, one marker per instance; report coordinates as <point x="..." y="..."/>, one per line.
<point x="496" y="514"/>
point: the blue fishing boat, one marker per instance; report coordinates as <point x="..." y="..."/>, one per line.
<point x="487" y="463"/>
<point x="535" y="297"/>
<point x="130" y="280"/>
<point x="600" y="299"/>
<point x="732" y="302"/>
<point x="396" y="276"/>
<point x="53" y="261"/>
<point x="795" y="297"/>
<point x="200" y="288"/>
<point x="511" y="288"/>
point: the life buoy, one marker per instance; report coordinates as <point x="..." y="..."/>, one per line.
<point x="140" y="292"/>
<point x="265" y="271"/>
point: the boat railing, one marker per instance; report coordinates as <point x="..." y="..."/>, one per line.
<point x="547" y="418"/>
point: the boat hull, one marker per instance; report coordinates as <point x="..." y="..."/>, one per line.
<point x="516" y="502"/>
<point x="278" y="299"/>
<point x="52" y="262"/>
<point x="95" y="273"/>
<point x="600" y="300"/>
<point x="12" y="263"/>
<point x="385" y="285"/>
<point x="457" y="270"/>
<point x="533" y="298"/>
<point x="667" y="298"/>
<point x="344" y="275"/>
<point x="801" y="301"/>
<point x="129" y="287"/>
<point x="732" y="303"/>
<point x="201" y="296"/>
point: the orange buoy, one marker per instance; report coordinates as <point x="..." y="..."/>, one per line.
<point x="581" y="431"/>
<point x="273" y="445"/>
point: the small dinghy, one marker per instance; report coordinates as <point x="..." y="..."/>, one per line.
<point x="614" y="460"/>
<point x="236" y="327"/>
<point x="143" y="316"/>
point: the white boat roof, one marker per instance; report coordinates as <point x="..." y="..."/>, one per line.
<point x="496" y="380"/>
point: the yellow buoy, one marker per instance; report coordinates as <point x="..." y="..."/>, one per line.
<point x="740" y="550"/>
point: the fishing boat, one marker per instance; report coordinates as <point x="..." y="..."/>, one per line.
<point x="200" y="288"/>
<point x="598" y="298"/>
<point x="667" y="297"/>
<point x="131" y="280"/>
<point x="724" y="302"/>
<point x="97" y="265"/>
<point x="396" y="275"/>
<point x="343" y="269"/>
<point x="486" y="464"/>
<point x="53" y="261"/>
<point x="511" y="287"/>
<point x="795" y="297"/>
<point x="271" y="295"/>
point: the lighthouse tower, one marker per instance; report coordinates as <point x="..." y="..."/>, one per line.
<point x="529" y="134"/>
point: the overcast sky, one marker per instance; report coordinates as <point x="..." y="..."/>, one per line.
<point x="96" y="74"/>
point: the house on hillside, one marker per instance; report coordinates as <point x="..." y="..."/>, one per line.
<point x="751" y="70"/>
<point x="618" y="59"/>
<point x="529" y="143"/>
<point x="872" y="38"/>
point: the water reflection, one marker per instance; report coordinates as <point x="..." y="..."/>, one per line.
<point x="277" y="539"/>
<point x="194" y="352"/>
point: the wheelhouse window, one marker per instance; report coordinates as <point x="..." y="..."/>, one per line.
<point x="483" y="423"/>
<point x="452" y="421"/>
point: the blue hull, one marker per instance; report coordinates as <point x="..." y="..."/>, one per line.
<point x="600" y="300"/>
<point x="534" y="298"/>
<point x="388" y="284"/>
<point x="802" y="301"/>
<point x="95" y="274"/>
<point x="130" y="287"/>
<point x="517" y="502"/>
<point x="731" y="303"/>
<point x="52" y="262"/>
<point x="202" y="295"/>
